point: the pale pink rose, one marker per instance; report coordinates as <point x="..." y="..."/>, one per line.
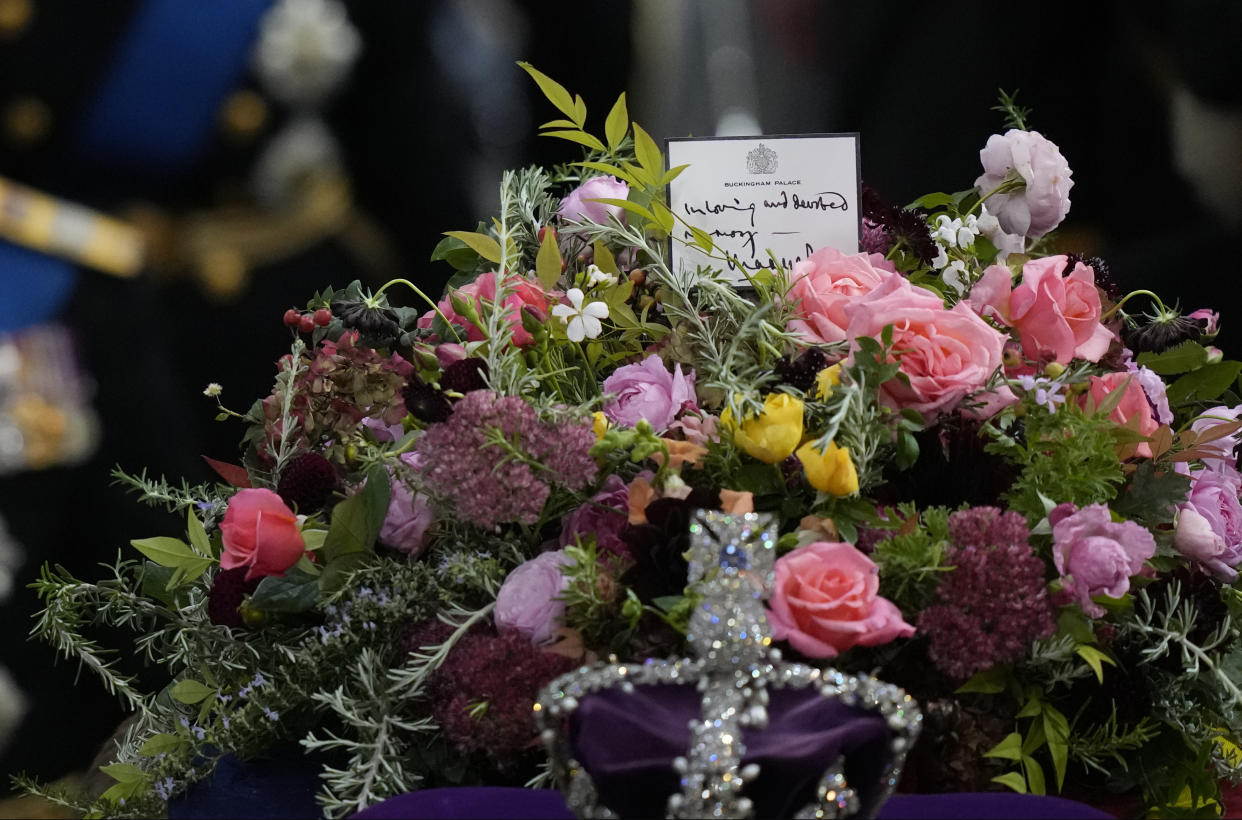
<point x="529" y="601"/>
<point x="824" y="283"/>
<point x="1209" y="523"/>
<point x="522" y="292"/>
<point x="697" y="429"/>
<point x="1096" y="555"/>
<point x="1224" y="446"/>
<point x="410" y="514"/>
<point x="259" y="531"/>
<point x="1133" y="404"/>
<point x="648" y="390"/>
<point x="577" y="208"/>
<point x="945" y="354"/>
<point x="824" y="601"/>
<point x="1044" y="201"/>
<point x="989" y="297"/>
<point x="1058" y="316"/>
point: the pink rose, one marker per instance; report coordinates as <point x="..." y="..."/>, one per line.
<point x="409" y="515"/>
<point x="577" y="208"/>
<point x="648" y="390"/>
<point x="1096" y="555"/>
<point x="824" y="283"/>
<point x="1209" y="319"/>
<point x="944" y="353"/>
<point x="1223" y="446"/>
<point x="989" y="297"/>
<point x="1043" y="201"/>
<point x="1134" y="410"/>
<point x="824" y="601"/>
<point x="1209" y="524"/>
<point x="261" y="532"/>
<point x="522" y="292"/>
<point x="529" y="600"/>
<point x="1058" y="317"/>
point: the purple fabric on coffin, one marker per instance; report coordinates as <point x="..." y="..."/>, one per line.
<point x="628" y="741"/>
<point x="523" y="804"/>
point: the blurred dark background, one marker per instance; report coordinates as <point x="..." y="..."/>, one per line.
<point x="278" y="147"/>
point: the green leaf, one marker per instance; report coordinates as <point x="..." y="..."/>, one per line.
<point x="1056" y="727"/>
<point x="356" y="521"/>
<point x="1034" y="775"/>
<point x="155" y="583"/>
<point x="198" y="536"/>
<point x="190" y="691"/>
<point x="1071" y="621"/>
<point x="580" y="137"/>
<point x="648" y="153"/>
<point x="292" y="592"/>
<point x="579" y="115"/>
<point x="1010" y="748"/>
<point x="664" y="217"/>
<point x="1013" y="780"/>
<point x="617" y="123"/>
<point x="554" y="91"/>
<point x="1188" y="355"/>
<point x="124" y="772"/>
<point x="931" y="201"/>
<point x="162" y="743"/>
<point x="988" y="682"/>
<point x="338" y="570"/>
<point x="457" y="253"/>
<point x="548" y="261"/>
<point x="605" y="168"/>
<point x="480" y="243"/>
<point x="314" y="539"/>
<point x="702" y="239"/>
<point x="559" y="124"/>
<point x="165" y="551"/>
<point x="1032" y="708"/>
<point x="1204" y="384"/>
<point x="1095" y="659"/>
<point x="604" y="260"/>
<point x="188" y="572"/>
<point x="672" y="173"/>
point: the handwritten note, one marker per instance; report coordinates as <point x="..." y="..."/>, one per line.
<point x="790" y="195"/>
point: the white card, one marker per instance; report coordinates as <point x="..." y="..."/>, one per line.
<point x="791" y="195"/>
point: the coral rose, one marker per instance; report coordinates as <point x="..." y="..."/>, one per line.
<point x="1134" y="410"/>
<point x="824" y="283"/>
<point x="1056" y="315"/>
<point x="260" y="532"/>
<point x="824" y="601"/>
<point x="944" y="354"/>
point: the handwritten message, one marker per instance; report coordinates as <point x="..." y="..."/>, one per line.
<point x="765" y="198"/>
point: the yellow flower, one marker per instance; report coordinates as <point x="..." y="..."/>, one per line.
<point x="831" y="472"/>
<point x="772" y="435"/>
<point x="827" y="379"/>
<point x="599" y="424"/>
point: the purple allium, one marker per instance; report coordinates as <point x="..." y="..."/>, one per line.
<point x="605" y="516"/>
<point x="994" y="603"/>
<point x="307" y="482"/>
<point x="489" y="486"/>
<point x="482" y="695"/>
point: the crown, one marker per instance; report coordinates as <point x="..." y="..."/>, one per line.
<point x="761" y="160"/>
<point x="764" y="738"/>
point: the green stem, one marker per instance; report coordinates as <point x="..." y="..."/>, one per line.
<point x="1130" y="295"/>
<point x="1008" y="185"/>
<point x="434" y="305"/>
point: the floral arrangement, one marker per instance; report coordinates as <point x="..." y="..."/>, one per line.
<point x="998" y="484"/>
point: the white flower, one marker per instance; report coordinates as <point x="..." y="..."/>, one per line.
<point x="953" y="276"/>
<point x="942" y="257"/>
<point x="946" y="230"/>
<point x="595" y="276"/>
<point x="581" y="321"/>
<point x="213" y="389"/>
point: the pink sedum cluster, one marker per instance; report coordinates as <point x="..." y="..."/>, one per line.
<point x="486" y="485"/>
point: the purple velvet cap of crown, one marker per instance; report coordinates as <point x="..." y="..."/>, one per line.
<point x="627" y="742"/>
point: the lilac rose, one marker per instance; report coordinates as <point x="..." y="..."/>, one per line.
<point x="1039" y="205"/>
<point x="604" y="516"/>
<point x="577" y="208"/>
<point x="1209" y="524"/>
<point x="529" y="601"/>
<point x="410" y="514"/>
<point x="648" y="390"/>
<point x="1096" y="555"/>
<point x="1224" y="446"/>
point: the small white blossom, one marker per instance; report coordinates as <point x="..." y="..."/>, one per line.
<point x="581" y="321"/>
<point x="954" y="276"/>
<point x="213" y="390"/>
<point x="946" y="230"/>
<point x="595" y="276"/>
<point x="942" y="257"/>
